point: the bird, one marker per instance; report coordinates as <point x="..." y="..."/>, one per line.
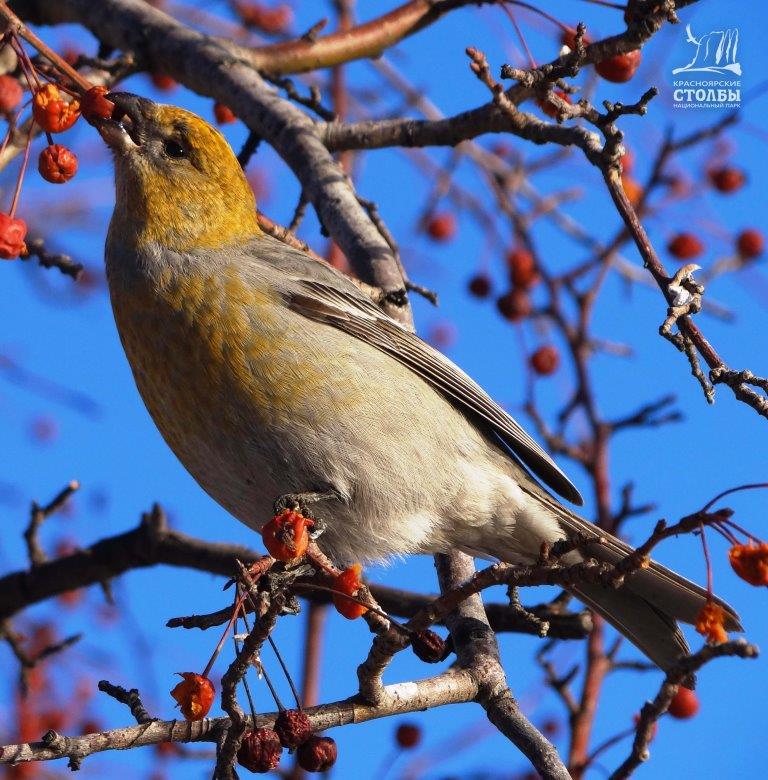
<point x="271" y="374"/>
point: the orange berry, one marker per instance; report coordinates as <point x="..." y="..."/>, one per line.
<point x="57" y="164"/>
<point x="94" y="105"/>
<point x="684" y="704"/>
<point x="685" y="246"/>
<point x="750" y="562"/>
<point x="514" y="305"/>
<point x="710" y="623"/>
<point x="549" y="108"/>
<point x="627" y="161"/>
<point x="348" y="582"/>
<point x="545" y="360"/>
<point x="194" y="695"/>
<point x="480" y="285"/>
<point x="11" y="93"/>
<point x="750" y="243"/>
<point x="12" y="235"/>
<point x="224" y="115"/>
<point x="620" y="68"/>
<point x="632" y="190"/>
<point x="522" y="268"/>
<point x="727" y="179"/>
<point x="441" y="227"/>
<point x="52" y="112"/>
<point x="286" y="536"/>
<point x="408" y="735"/>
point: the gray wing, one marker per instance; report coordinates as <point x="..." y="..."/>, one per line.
<point x="322" y="294"/>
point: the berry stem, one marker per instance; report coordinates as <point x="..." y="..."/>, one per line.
<point x="22" y="171"/>
<point x="238" y="603"/>
<point x="706" y="560"/>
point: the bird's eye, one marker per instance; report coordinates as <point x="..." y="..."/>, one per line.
<point x="174" y="149"/>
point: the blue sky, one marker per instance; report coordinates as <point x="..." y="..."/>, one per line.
<point x="124" y="466"/>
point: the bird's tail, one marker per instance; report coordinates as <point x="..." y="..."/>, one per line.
<point x="648" y="606"/>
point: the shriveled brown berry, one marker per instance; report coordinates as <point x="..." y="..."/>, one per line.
<point x="545" y="360"/>
<point x="685" y="246"/>
<point x="522" y="268"/>
<point x="514" y="305"/>
<point x="317" y="754"/>
<point x="480" y="285"/>
<point x="441" y="227"/>
<point x="292" y="728"/>
<point x="727" y="179"/>
<point x="750" y="243"/>
<point x="11" y="93"/>
<point x="260" y="750"/>
<point x="620" y="68"/>
<point x="429" y="646"/>
<point x="408" y="735"/>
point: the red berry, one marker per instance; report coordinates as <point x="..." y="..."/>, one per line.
<point x="317" y="754"/>
<point x="750" y="243"/>
<point x="545" y="360"/>
<point x="727" y="179"/>
<point x="12" y="235"/>
<point x="52" y="112"/>
<point x="286" y="536"/>
<point x="480" y="285"/>
<point x="684" y="704"/>
<point x="260" y="750"/>
<point x="522" y="268"/>
<point x="57" y="164"/>
<point x="441" y="227"/>
<point x="11" y="93"/>
<point x="94" y="105"/>
<point x="224" y="115"/>
<point x="269" y="20"/>
<point x="408" y="735"/>
<point x="163" y="82"/>
<point x="685" y="246"/>
<point x="620" y="68"/>
<point x="292" y="728"/>
<point x="627" y="161"/>
<point x="348" y="582"/>
<point x="549" y="108"/>
<point x="514" y="305"/>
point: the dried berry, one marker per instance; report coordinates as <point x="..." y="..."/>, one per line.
<point x="684" y="704"/>
<point x="710" y="623"/>
<point x="52" y="112"/>
<point x="408" y="735"/>
<point x="514" y="305"/>
<point x="619" y="68"/>
<point x="685" y="246"/>
<point x="260" y="750"/>
<point x="750" y="562"/>
<point x="317" y="754"/>
<point x="292" y="728"/>
<point x="286" y="536"/>
<point x="194" y="695"/>
<point x="727" y="179"/>
<point x="94" y="105"/>
<point x="57" y="164"/>
<point x="12" y="235"/>
<point x="429" y="646"/>
<point x="348" y="582"/>
<point x="750" y="244"/>
<point x="441" y="227"/>
<point x="522" y="268"/>
<point x="480" y="285"/>
<point x="11" y="94"/>
<point x="545" y="360"/>
<point x="223" y="114"/>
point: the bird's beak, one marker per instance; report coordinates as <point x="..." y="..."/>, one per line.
<point x="126" y="129"/>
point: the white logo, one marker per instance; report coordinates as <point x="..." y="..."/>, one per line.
<point x="716" y="52"/>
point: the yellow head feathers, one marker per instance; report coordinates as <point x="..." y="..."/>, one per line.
<point x="178" y="182"/>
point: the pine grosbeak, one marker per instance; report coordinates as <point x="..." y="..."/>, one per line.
<point x="270" y="374"/>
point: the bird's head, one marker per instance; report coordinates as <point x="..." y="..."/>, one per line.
<point x="178" y="183"/>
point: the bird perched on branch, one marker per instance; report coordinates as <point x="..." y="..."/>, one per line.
<point x="271" y="375"/>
